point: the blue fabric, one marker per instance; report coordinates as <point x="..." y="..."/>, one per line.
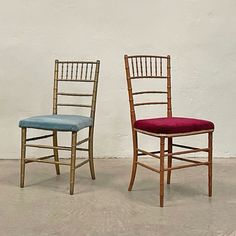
<point x="57" y="122"/>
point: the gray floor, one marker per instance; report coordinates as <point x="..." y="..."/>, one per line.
<point x="105" y="207"/>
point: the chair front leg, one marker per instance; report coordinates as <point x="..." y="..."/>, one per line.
<point x="73" y="159"/>
<point x="55" y="151"/>
<point x="210" y="138"/>
<point x="135" y="159"/>
<point x="169" y="160"/>
<point x="23" y="153"/>
<point x="91" y="163"/>
<point x="162" y="152"/>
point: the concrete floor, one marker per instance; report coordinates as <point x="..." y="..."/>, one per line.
<point x="105" y="207"/>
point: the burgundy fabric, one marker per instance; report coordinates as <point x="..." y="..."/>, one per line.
<point x="173" y="125"/>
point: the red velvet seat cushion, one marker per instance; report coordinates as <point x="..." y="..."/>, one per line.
<point x="173" y="125"/>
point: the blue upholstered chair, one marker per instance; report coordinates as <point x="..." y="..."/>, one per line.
<point x="65" y="72"/>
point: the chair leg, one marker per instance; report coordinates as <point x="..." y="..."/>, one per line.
<point x="91" y="163"/>
<point x="210" y="138"/>
<point x="162" y="152"/>
<point x="55" y="151"/>
<point x="23" y="152"/>
<point x="135" y="159"/>
<point x="169" y="160"/>
<point x="73" y="159"/>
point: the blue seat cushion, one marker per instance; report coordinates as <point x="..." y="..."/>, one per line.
<point x="57" y="122"/>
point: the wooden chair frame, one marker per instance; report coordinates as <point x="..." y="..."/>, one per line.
<point x="151" y="67"/>
<point x="66" y="71"/>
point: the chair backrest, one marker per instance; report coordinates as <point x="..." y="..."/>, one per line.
<point x="76" y="72"/>
<point x="140" y="67"/>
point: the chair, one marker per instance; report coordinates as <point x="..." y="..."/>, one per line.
<point x="77" y="72"/>
<point x="148" y="68"/>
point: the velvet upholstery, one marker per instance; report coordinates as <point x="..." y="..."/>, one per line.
<point x="57" y="122"/>
<point x="173" y="125"/>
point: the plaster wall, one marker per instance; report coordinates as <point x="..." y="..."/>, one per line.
<point x="199" y="35"/>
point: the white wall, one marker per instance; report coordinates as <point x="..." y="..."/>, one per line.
<point x="199" y="35"/>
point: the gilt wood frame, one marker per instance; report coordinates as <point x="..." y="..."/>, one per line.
<point x="66" y="71"/>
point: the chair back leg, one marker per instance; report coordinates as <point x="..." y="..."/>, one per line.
<point x="210" y="138"/>
<point x="135" y="159"/>
<point x="169" y="160"/>
<point x="91" y="162"/>
<point x="55" y="152"/>
<point x="73" y="159"/>
<point x="23" y="153"/>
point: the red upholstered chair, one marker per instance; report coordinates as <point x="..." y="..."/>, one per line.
<point x="148" y="68"/>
